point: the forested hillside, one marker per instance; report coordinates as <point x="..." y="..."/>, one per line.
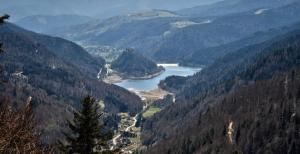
<point x="150" y="76"/>
<point x="259" y="118"/>
<point x="225" y="77"/>
<point x="238" y="64"/>
<point x="222" y="30"/>
<point x="208" y="56"/>
<point x="56" y="76"/>
<point x="132" y="64"/>
<point x="170" y="37"/>
<point x="68" y="51"/>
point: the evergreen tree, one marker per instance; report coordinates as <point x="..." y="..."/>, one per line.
<point x="88" y="135"/>
<point x="2" y="20"/>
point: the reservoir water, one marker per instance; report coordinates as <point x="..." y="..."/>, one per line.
<point x="151" y="84"/>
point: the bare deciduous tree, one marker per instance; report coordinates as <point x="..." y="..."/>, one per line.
<point x="17" y="133"/>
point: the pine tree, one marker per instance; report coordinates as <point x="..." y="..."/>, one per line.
<point x="2" y="20"/>
<point x="88" y="134"/>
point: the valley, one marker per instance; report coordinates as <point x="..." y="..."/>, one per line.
<point x="127" y="137"/>
<point x="150" y="76"/>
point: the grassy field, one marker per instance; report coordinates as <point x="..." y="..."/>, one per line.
<point x="151" y="111"/>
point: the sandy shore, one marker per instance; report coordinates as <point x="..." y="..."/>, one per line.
<point x="114" y="78"/>
<point x="152" y="95"/>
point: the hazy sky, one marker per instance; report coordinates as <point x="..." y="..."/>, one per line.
<point x="96" y="8"/>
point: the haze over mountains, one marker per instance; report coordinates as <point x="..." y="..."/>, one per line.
<point x="94" y="8"/>
<point x="172" y="37"/>
<point x="48" y="23"/>
<point x="245" y="99"/>
<point x="231" y="6"/>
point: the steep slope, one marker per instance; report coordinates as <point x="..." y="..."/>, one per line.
<point x="223" y="30"/>
<point x="119" y="31"/>
<point x="225" y="76"/>
<point x="131" y="64"/>
<point x="47" y="23"/>
<point x="68" y="51"/>
<point x="209" y="55"/>
<point x="56" y="85"/>
<point x="260" y="118"/>
<point x="229" y="66"/>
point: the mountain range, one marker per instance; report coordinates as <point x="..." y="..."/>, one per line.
<point x="93" y="8"/>
<point x="245" y="99"/>
<point x="173" y="37"/>
<point x="45" y="23"/>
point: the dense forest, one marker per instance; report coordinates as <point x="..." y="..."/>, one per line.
<point x="259" y="118"/>
<point x="248" y="64"/>
<point x="228" y="75"/>
<point x="42" y="67"/>
<point x="208" y="56"/>
<point x="131" y="64"/>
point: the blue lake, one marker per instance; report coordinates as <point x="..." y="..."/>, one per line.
<point x="151" y="84"/>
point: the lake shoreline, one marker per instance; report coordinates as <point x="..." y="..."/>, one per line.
<point x="117" y="78"/>
<point x="146" y="77"/>
<point x="152" y="95"/>
<point x="151" y="82"/>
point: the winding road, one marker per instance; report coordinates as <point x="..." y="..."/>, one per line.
<point x="134" y="123"/>
<point x="114" y="140"/>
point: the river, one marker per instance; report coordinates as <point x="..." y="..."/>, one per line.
<point x="151" y="84"/>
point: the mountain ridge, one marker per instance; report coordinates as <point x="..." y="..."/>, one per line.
<point x="56" y="85"/>
<point x="172" y="39"/>
<point x="48" y="23"/>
